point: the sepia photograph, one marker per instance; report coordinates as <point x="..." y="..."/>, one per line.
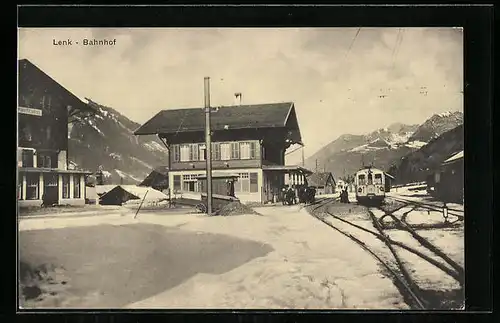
<point x="241" y="168"/>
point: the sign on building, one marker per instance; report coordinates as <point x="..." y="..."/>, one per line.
<point x="30" y="111"/>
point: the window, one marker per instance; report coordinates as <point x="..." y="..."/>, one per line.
<point x="243" y="183"/>
<point x="202" y="152"/>
<point x="32" y="181"/>
<point x="185" y="153"/>
<point x="65" y="186"/>
<point x="46" y="160"/>
<point x="177" y="182"/>
<point x="225" y="151"/>
<point x="193" y="152"/>
<point x="45" y="103"/>
<point x="235" y="150"/>
<point x="189" y="182"/>
<point x="361" y="180"/>
<point x="27" y="133"/>
<point x="27" y="158"/>
<point x="76" y="186"/>
<point x="216" y="151"/>
<point x="245" y="150"/>
<point x="378" y="179"/>
<point x="176" y="153"/>
<point x="253" y="150"/>
<point x="254" y="183"/>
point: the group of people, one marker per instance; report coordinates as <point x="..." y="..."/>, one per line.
<point x="344" y="195"/>
<point x="304" y="194"/>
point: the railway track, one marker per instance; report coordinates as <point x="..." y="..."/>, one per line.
<point x="409" y="289"/>
<point x="455" y="212"/>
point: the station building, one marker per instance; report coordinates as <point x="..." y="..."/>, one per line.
<point x="44" y="108"/>
<point x="247" y="140"/>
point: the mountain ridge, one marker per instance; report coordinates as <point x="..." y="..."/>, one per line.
<point x="382" y="147"/>
<point x="106" y="140"/>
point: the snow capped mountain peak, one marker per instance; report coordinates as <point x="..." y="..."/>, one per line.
<point x="445" y="114"/>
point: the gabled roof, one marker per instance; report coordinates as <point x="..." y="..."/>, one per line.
<point x="454" y="158"/>
<point x="157" y="177"/>
<point x="319" y="179"/>
<point x="29" y="73"/>
<point x="138" y="192"/>
<point x="270" y="115"/>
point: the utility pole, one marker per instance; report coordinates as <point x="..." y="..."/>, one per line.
<point x="208" y="143"/>
<point x="316" y="165"/>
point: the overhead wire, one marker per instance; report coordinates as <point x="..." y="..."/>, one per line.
<point x="397" y="47"/>
<point x="288" y="153"/>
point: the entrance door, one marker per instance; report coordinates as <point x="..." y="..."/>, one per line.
<point x="50" y="187"/>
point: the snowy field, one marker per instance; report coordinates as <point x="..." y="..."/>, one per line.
<point x="308" y="268"/>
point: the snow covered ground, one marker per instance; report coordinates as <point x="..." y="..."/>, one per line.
<point x="418" y="193"/>
<point x="311" y="266"/>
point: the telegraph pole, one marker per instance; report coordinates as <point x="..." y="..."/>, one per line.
<point x="208" y="143"/>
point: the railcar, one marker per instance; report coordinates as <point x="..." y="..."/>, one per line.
<point x="370" y="185"/>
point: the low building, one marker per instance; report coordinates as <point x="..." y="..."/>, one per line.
<point x="121" y="194"/>
<point x="157" y="179"/>
<point x="44" y="107"/>
<point x="248" y="140"/>
<point x="447" y="182"/>
<point x="323" y="182"/>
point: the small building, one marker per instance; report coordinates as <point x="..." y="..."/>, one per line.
<point x="389" y="179"/>
<point x="121" y="194"/>
<point x="323" y="182"/>
<point x="451" y="184"/>
<point x="247" y="140"/>
<point x="44" y="109"/>
<point x="157" y="179"/>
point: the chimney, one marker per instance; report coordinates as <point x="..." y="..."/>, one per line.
<point x="237" y="98"/>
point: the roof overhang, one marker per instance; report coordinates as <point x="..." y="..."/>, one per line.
<point x="52" y="170"/>
<point x="287" y="169"/>
<point x="219" y="176"/>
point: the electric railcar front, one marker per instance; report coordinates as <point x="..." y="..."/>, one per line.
<point x="370" y="186"/>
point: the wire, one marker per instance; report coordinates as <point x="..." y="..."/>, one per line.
<point x="397" y="47"/>
<point x="288" y="153"/>
<point x="180" y="124"/>
<point x="352" y="43"/>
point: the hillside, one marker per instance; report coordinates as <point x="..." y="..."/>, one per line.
<point x="414" y="166"/>
<point x="382" y="148"/>
<point x="107" y="139"/>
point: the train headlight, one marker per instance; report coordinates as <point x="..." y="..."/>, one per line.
<point x="359" y="190"/>
<point x="381" y="189"/>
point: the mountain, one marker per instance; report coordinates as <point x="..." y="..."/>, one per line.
<point x="414" y="167"/>
<point x="106" y="139"/>
<point x="382" y="148"/>
<point x="437" y="125"/>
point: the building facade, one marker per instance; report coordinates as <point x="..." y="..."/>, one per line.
<point x="249" y="141"/>
<point x="323" y="182"/>
<point x="44" y="107"/>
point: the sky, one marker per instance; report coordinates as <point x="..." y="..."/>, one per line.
<point x="342" y="80"/>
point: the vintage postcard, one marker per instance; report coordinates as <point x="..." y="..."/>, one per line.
<point x="241" y="168"/>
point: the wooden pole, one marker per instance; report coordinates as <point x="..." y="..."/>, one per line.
<point x="208" y="143"/>
<point x="141" y="204"/>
